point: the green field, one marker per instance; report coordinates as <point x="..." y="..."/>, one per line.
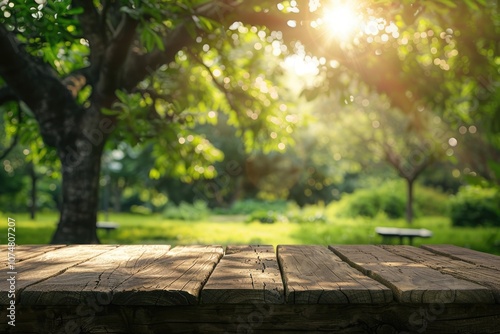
<point x="223" y="230"/>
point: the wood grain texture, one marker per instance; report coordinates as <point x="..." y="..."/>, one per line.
<point x="314" y="275"/>
<point x="467" y="255"/>
<point x="95" y="279"/>
<point x="463" y="270"/>
<point x="410" y="281"/>
<point x="174" y="279"/>
<point x="24" y="252"/>
<point x="44" y="265"/>
<point x="245" y="274"/>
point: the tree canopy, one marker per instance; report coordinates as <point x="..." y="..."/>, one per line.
<point x="95" y="73"/>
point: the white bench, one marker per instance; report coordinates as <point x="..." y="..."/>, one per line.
<point x="107" y="226"/>
<point x="388" y="233"/>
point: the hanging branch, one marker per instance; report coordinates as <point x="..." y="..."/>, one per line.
<point x="226" y="92"/>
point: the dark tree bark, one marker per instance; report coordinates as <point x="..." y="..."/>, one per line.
<point x="80" y="197"/>
<point x="81" y="165"/>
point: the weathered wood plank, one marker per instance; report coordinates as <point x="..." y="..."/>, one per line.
<point x="245" y="274"/>
<point x="412" y="282"/>
<point x="94" y="280"/>
<point x="457" y="268"/>
<point x="175" y="279"/>
<point x="314" y="275"/>
<point x="50" y="264"/>
<point x="467" y="255"/>
<point x="24" y="252"/>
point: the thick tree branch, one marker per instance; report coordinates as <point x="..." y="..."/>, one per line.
<point x="115" y="57"/>
<point x="138" y="65"/>
<point x="37" y="85"/>
<point x="90" y="23"/>
<point x="104" y="15"/>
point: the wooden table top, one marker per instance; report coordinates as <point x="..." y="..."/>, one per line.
<point x="186" y="275"/>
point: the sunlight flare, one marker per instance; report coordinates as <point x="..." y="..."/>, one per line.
<point x="342" y="19"/>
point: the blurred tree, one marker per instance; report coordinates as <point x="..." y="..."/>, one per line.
<point x="135" y="71"/>
<point x="369" y="131"/>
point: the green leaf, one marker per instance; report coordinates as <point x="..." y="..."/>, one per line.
<point x="121" y="95"/>
<point x="74" y="11"/>
<point x="159" y="42"/>
<point x="207" y="24"/>
<point x="151" y="39"/>
<point x="109" y="112"/>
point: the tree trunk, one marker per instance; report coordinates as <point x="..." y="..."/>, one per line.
<point x="409" y="200"/>
<point x="81" y="165"/>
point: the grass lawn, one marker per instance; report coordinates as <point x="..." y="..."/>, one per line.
<point x="138" y="229"/>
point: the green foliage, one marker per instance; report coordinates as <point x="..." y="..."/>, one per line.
<point x="188" y="212"/>
<point x="276" y="211"/>
<point x="393" y="205"/>
<point x="307" y="214"/>
<point x="474" y="206"/>
<point x="220" y="78"/>
<point x="259" y="211"/>
<point x="430" y="201"/>
<point x="249" y="206"/>
<point x="365" y="203"/>
<point x="140" y="210"/>
<point x="267" y="217"/>
<point x="371" y="202"/>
